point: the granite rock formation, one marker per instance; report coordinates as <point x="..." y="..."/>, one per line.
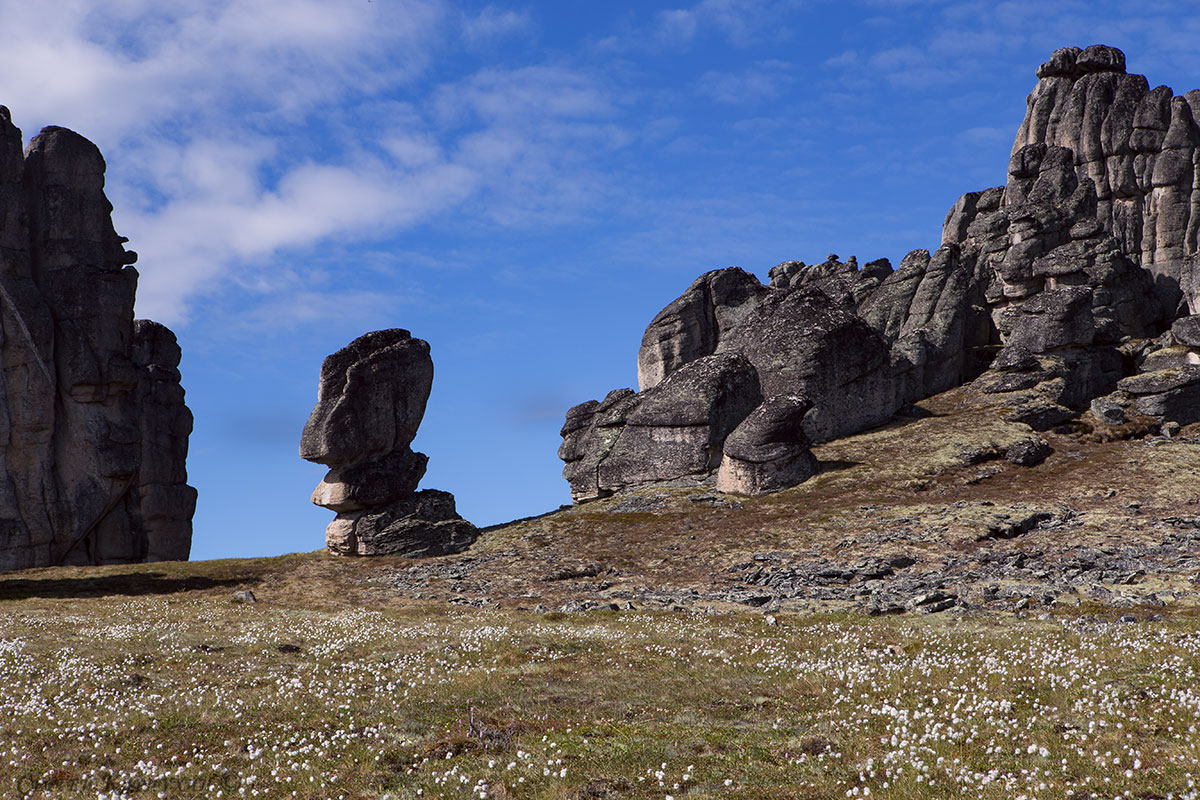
<point x="93" y="426"/>
<point x="370" y="402"/>
<point x="1070" y="287"/>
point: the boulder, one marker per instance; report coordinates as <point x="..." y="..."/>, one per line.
<point x="1169" y="395"/>
<point x="1186" y="331"/>
<point x="370" y="399"/>
<point x="801" y="342"/>
<point x="694" y="324"/>
<point x="370" y="402"/>
<point x="676" y="430"/>
<point x="768" y="451"/>
<point x="416" y="526"/>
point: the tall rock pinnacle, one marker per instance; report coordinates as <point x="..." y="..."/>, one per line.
<point x="93" y="426"/>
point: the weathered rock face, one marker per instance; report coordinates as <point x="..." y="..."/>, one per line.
<point x="1045" y="294"/>
<point x="1138" y="146"/>
<point x="768" y="451"/>
<point x="93" y="426"/>
<point x="370" y="402"/>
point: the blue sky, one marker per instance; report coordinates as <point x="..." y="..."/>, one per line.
<point x="523" y="185"/>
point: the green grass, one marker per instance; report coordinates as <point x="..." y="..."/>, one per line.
<point x="187" y="694"/>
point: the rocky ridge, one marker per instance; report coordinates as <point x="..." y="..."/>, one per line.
<point x="370" y="402"/>
<point x="93" y="426"/>
<point x="1064" y="297"/>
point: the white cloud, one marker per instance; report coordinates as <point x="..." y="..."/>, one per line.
<point x="764" y="80"/>
<point x="739" y="21"/>
<point x="241" y="131"/>
<point x="494" y="23"/>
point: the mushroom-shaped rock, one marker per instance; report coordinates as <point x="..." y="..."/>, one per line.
<point x="370" y="402"/>
<point x="768" y="452"/>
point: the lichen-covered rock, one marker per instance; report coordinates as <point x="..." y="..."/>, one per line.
<point x="1051" y="320"/>
<point x="370" y="402"/>
<point x="768" y="451"/>
<point x="1169" y="395"/>
<point x="93" y="426"/>
<point x="1186" y="331"/>
<point x="676" y="430"/>
<point x="1045" y="292"/>
<point x="1136" y="145"/>
<point x="800" y="342"/>
<point x="694" y="323"/>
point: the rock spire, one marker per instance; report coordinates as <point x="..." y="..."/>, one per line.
<point x="93" y="426"/>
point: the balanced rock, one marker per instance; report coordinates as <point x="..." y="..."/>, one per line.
<point x="370" y="402"/>
<point x="93" y="426"/>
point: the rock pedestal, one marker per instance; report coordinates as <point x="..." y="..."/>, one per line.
<point x="93" y="426"/>
<point x="370" y="402"/>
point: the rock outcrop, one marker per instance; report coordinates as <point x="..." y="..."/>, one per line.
<point x="370" y="402"/>
<point x="1072" y="283"/>
<point x="93" y="426"/>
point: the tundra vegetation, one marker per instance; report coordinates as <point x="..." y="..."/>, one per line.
<point x="150" y="681"/>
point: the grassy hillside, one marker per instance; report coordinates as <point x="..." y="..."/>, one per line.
<point x="666" y="643"/>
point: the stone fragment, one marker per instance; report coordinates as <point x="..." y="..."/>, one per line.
<point x="1186" y="331"/>
<point x="416" y="526"/>
<point x="367" y="484"/>
<point x="1028" y="452"/>
<point x="1108" y="411"/>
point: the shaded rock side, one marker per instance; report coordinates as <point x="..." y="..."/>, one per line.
<point x="670" y="432"/>
<point x="768" y="451"/>
<point x="93" y="426"/>
<point x="693" y="324"/>
<point x="370" y="399"/>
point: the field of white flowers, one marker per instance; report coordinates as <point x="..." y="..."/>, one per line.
<point x="192" y="695"/>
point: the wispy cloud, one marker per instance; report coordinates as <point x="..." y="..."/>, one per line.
<point x="494" y="23"/>
<point x="763" y="80"/>
<point x="741" y="22"/>
<point x="243" y="131"/>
